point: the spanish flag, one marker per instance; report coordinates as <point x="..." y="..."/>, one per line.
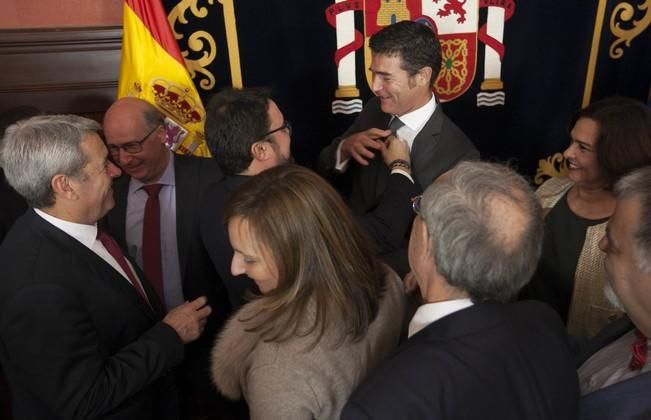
<point x="152" y="68"/>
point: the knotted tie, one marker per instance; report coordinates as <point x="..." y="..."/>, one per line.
<point x="639" y="351"/>
<point x="395" y="125"/>
<point x="114" y="249"/>
<point x="151" y="256"/>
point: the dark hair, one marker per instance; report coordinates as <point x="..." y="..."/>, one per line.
<point x="324" y="260"/>
<point x="415" y="43"/>
<point x="235" y="120"/>
<point x="624" y="140"/>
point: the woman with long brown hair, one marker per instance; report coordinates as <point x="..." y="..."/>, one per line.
<point x="328" y="310"/>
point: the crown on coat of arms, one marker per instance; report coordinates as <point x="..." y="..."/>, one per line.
<point x="177" y="101"/>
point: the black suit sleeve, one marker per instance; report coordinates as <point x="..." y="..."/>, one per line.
<point x="370" y="117"/>
<point x="389" y="223"/>
<point x="52" y="340"/>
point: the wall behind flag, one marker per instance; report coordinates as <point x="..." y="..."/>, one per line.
<point x="60" y="13"/>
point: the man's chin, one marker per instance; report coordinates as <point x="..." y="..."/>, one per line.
<point x="386" y="106"/>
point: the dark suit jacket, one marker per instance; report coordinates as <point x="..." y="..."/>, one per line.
<point x="489" y="361"/>
<point x="76" y="339"/>
<point x="192" y="177"/>
<point x="215" y="238"/>
<point x="437" y="148"/>
<point x="624" y="400"/>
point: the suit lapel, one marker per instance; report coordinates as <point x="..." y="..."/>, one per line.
<point x="112" y="277"/>
<point x="423" y="150"/>
<point x="102" y="271"/>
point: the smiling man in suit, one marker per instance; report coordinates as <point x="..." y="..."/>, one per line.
<point x="614" y="366"/>
<point x="405" y="61"/>
<point x="470" y="353"/>
<point x="156" y="218"/>
<point x="82" y="333"/>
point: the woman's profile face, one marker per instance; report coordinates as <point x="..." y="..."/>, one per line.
<point x="581" y="155"/>
<point x="251" y="257"/>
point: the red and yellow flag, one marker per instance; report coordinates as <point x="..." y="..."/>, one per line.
<point x="152" y="68"/>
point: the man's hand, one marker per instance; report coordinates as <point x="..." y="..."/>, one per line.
<point x="395" y="148"/>
<point x="361" y="146"/>
<point x="189" y="319"/>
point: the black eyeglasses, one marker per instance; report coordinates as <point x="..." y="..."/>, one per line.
<point x="415" y="204"/>
<point x="132" y="146"/>
<point x="286" y="125"/>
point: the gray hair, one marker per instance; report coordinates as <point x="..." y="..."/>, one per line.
<point x="152" y="117"/>
<point x="637" y="184"/>
<point x="486" y="229"/>
<point x="33" y="151"/>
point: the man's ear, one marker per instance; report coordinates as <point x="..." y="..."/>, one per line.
<point x="260" y="150"/>
<point x="62" y="187"/>
<point x="424" y="76"/>
<point x="161" y="133"/>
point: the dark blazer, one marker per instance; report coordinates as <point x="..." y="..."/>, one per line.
<point x="628" y="399"/>
<point x="192" y="177"/>
<point x="76" y="339"/>
<point x="215" y="238"/>
<point x="437" y="148"/>
<point x="489" y="361"/>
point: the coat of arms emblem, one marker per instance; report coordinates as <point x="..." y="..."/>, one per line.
<point x="457" y="25"/>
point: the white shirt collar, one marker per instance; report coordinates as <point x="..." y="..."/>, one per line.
<point x="86" y="234"/>
<point x="415" y="121"/>
<point x="417" y="118"/>
<point x="431" y="312"/>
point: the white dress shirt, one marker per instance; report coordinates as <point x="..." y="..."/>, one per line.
<point x="610" y="365"/>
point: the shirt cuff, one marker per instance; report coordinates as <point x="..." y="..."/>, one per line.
<point x="403" y="172"/>
<point x="339" y="165"/>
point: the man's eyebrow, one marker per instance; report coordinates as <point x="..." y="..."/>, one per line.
<point x="382" y="73"/>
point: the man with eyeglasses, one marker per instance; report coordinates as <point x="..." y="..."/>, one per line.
<point x="247" y="134"/>
<point x="156" y="219"/>
<point x="471" y="354"/>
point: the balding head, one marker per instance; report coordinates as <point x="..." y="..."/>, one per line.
<point x="130" y="121"/>
<point x="485" y="229"/>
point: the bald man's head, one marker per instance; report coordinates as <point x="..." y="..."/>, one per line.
<point x="135" y="134"/>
